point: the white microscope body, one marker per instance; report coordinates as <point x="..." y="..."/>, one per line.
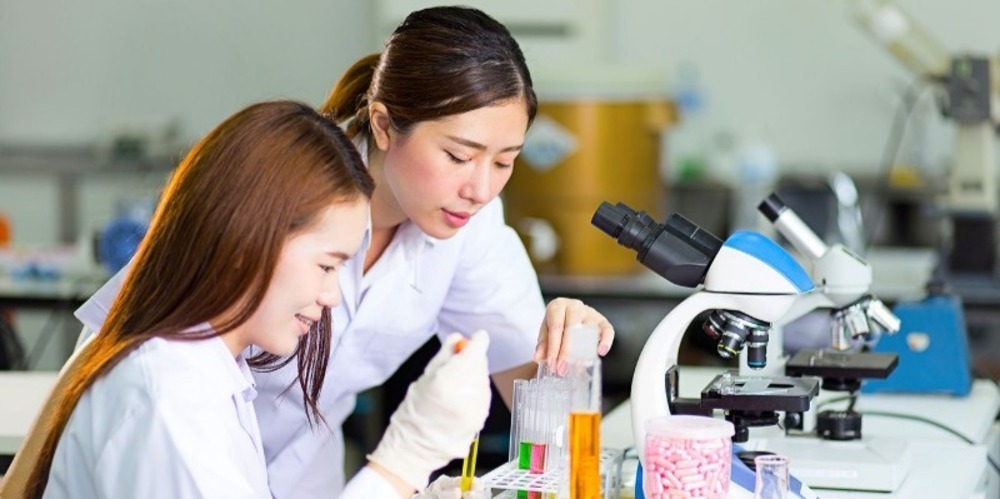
<point x="737" y="280"/>
<point x="748" y="281"/>
<point x="843" y="283"/>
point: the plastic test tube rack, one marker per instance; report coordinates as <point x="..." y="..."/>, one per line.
<point x="510" y="479"/>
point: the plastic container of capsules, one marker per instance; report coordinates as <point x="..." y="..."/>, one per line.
<point x="687" y="456"/>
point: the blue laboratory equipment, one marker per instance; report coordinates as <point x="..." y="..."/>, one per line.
<point x="933" y="349"/>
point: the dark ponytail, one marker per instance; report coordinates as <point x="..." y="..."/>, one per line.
<point x="349" y="99"/>
<point x="439" y="62"/>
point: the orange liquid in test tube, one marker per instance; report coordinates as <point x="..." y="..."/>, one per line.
<point x="584" y="455"/>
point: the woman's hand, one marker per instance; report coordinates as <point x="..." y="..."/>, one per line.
<point x="440" y="415"/>
<point x="560" y="315"/>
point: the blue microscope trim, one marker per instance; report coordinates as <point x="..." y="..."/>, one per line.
<point x="769" y="252"/>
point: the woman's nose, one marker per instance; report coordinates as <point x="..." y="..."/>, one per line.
<point x="477" y="188"/>
<point x="330" y="297"/>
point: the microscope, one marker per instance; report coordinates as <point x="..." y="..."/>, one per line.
<point x="748" y="283"/>
<point x="828" y="448"/>
<point x="750" y="287"/>
<point x="843" y="284"/>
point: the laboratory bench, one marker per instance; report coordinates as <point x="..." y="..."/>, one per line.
<point x="22" y="394"/>
<point x="47" y="294"/>
<point x="943" y="465"/>
<point x="60" y="298"/>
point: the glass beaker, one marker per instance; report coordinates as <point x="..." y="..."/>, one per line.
<point x="772" y="477"/>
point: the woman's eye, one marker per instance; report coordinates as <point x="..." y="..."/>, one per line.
<point x="328" y="268"/>
<point x="455" y="159"/>
<point x="504" y="165"/>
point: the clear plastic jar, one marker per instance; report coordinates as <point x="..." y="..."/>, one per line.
<point x="687" y="456"/>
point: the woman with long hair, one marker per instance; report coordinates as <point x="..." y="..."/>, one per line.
<point x="239" y="271"/>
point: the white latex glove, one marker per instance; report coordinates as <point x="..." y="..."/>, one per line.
<point x="441" y="413"/>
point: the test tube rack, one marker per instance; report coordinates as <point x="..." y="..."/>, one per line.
<point x="510" y="479"/>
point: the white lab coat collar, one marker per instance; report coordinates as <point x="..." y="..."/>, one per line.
<point x="236" y="378"/>
<point x="404" y="251"/>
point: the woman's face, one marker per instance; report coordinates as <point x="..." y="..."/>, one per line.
<point x="306" y="278"/>
<point x="443" y="172"/>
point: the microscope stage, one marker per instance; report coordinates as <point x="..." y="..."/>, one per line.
<point x="833" y="364"/>
<point x="730" y="391"/>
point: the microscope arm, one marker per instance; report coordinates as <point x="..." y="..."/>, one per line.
<point x="660" y="352"/>
<point x="842" y="278"/>
<point x="649" y="386"/>
<point x="804" y="305"/>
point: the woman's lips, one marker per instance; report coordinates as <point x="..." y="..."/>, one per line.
<point x="456" y="219"/>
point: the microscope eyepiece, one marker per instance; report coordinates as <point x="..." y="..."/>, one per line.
<point x="610" y="219"/>
<point x="678" y="249"/>
<point x="771" y="207"/>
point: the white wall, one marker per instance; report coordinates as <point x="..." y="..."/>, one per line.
<point x="72" y="72"/>
<point x="800" y="70"/>
<point x="803" y="70"/>
<point x="72" y="69"/>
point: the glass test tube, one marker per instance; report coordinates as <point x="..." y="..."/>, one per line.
<point x="515" y="418"/>
<point x="525" y="412"/>
<point x="584" y="379"/>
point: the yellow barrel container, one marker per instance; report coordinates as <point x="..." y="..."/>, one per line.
<point x="580" y="151"/>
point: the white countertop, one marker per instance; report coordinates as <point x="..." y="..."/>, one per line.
<point x="944" y="466"/>
<point x="22" y="394"/>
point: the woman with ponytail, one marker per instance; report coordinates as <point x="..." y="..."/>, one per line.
<point x="439" y="117"/>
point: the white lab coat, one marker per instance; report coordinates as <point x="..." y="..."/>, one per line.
<point x="174" y="419"/>
<point x="479" y="279"/>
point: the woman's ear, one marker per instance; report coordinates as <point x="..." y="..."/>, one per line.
<point x="378" y="116"/>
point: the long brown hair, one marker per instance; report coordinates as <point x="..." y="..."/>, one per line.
<point x="258" y="178"/>
<point x="438" y="62"/>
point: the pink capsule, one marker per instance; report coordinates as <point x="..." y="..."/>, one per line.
<point x="700" y="484"/>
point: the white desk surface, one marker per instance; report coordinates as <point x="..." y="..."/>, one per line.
<point x="22" y="394"/>
<point x="946" y="460"/>
<point x="54" y="289"/>
<point x="941" y="459"/>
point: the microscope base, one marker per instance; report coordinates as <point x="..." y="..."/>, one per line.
<point x="877" y="464"/>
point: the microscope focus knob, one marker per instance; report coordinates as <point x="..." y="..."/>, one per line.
<point x="838" y="425"/>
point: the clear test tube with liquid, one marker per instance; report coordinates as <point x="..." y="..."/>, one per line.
<point x="584" y="383"/>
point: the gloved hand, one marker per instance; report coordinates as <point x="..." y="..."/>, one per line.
<point x="448" y="487"/>
<point x="441" y="413"/>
